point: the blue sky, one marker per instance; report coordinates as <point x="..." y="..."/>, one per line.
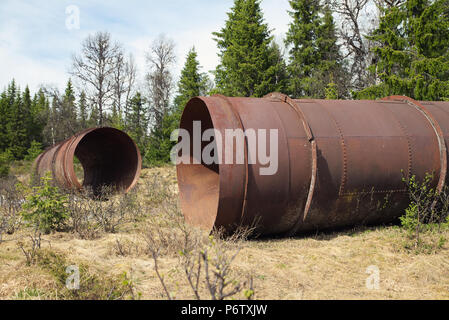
<point x="36" y="46"/>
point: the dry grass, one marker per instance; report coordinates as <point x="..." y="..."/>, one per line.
<point x="329" y="266"/>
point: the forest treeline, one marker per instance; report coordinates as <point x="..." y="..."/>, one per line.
<point x="334" y="49"/>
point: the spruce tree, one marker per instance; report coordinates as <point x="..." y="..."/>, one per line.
<point x="301" y="38"/>
<point x="314" y="54"/>
<point x="68" y="111"/>
<point x="331" y="69"/>
<point x="159" y="146"/>
<point x="17" y="128"/>
<point x="82" y="111"/>
<point x="278" y="67"/>
<point x="94" y="117"/>
<point x="62" y="116"/>
<point x="137" y="122"/>
<point x="39" y="113"/>
<point x="28" y="117"/>
<point x="192" y="82"/>
<point x="412" y="55"/>
<point x="245" y="67"/>
<point x="22" y="119"/>
<point x="6" y="111"/>
<point x="3" y="121"/>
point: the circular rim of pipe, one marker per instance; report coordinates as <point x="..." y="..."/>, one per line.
<point x="69" y="147"/>
<point x="82" y="135"/>
<point x="232" y="178"/>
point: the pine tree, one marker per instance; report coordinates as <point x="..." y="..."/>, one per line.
<point x="17" y="128"/>
<point x="278" y="67"/>
<point x="159" y="146"/>
<point x="39" y="114"/>
<point x="137" y="122"/>
<point x="6" y="107"/>
<point x="191" y="84"/>
<point x="11" y="93"/>
<point x="82" y="111"/>
<point x="28" y="117"/>
<point x="22" y="119"/>
<point x="245" y="68"/>
<point x="115" y="120"/>
<point x="68" y="111"/>
<point x="412" y="55"/>
<point x="4" y="110"/>
<point x="301" y="38"/>
<point x="62" y="119"/>
<point x="331" y="65"/>
<point x="314" y="53"/>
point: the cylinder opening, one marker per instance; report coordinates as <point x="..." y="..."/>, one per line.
<point x="198" y="182"/>
<point x="79" y="170"/>
<point x="110" y="160"/>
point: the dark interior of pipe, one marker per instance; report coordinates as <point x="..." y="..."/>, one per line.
<point x="198" y="182"/>
<point x="109" y="159"/>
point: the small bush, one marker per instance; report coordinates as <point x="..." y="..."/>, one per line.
<point x="128" y="247"/>
<point x="80" y="218"/>
<point x="206" y="260"/>
<point x="34" y="151"/>
<point x="45" y="208"/>
<point x="12" y="196"/>
<point x="31" y="250"/>
<point x="428" y="209"/>
<point x="105" y="211"/>
<point x="110" y="210"/>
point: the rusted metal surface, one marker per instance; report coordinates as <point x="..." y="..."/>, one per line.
<point x="341" y="163"/>
<point x="109" y="158"/>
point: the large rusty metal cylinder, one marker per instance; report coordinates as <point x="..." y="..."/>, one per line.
<point x="109" y="157"/>
<point x="340" y="163"/>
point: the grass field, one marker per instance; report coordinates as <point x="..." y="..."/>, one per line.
<point x="121" y="265"/>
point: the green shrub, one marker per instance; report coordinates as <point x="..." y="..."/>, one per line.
<point x="34" y="151"/>
<point x="45" y="207"/>
<point x="428" y="209"/>
<point x="409" y="220"/>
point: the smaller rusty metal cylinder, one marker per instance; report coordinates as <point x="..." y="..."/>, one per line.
<point x="109" y="157"/>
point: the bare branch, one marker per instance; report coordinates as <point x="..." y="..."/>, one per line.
<point x="98" y="68"/>
<point x="159" y="78"/>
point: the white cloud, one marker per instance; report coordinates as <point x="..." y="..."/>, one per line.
<point x="36" y="48"/>
<point x="27" y="71"/>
